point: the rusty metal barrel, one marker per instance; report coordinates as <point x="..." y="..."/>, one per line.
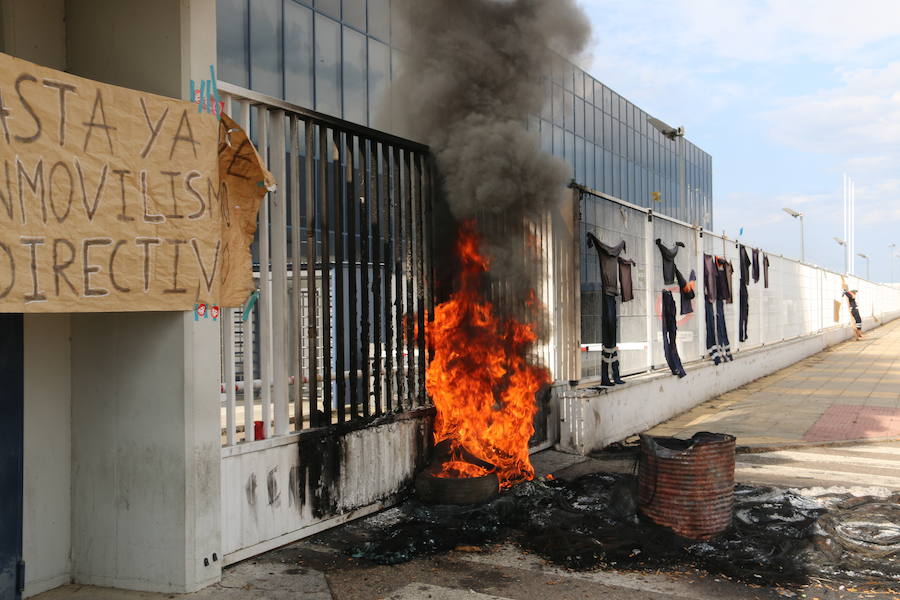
<point x="688" y="485"/>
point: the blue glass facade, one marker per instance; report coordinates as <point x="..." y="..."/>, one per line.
<point x="339" y="57"/>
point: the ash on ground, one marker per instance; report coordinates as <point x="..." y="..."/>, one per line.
<point x="777" y="536"/>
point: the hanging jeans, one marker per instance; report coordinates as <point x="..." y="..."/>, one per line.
<point x="670" y="331"/>
<point x="722" y="331"/>
<point x="609" y="373"/>
<point x="745" y="311"/>
<point x="716" y="333"/>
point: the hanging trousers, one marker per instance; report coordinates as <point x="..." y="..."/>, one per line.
<point x="716" y="333"/>
<point x="722" y="331"/>
<point x="670" y="332"/>
<point x="609" y="373"/>
<point x="745" y="311"/>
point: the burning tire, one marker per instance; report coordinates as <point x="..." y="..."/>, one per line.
<point x="451" y="490"/>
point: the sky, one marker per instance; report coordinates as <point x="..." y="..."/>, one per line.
<point x="786" y="95"/>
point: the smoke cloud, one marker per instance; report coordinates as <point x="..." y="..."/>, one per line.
<point x="472" y="75"/>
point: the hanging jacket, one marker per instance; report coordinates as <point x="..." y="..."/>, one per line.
<point x="745" y="265"/>
<point x="609" y="266"/>
<point x="724" y="271"/>
<point x="687" y="289"/>
<point x="668" y="257"/>
<point x="755" y="265"/>
<point x="765" y="270"/>
<point x="710" y="278"/>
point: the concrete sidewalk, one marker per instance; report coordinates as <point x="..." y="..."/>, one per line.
<point x="848" y="392"/>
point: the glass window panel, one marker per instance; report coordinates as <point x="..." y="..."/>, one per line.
<point x="629" y="114"/>
<point x="355" y="75"/>
<point x="547" y="108"/>
<point x="298" y="54"/>
<point x="579" y="82"/>
<point x="546" y="137"/>
<point x="328" y="66"/>
<point x="355" y="13"/>
<point x="599" y="181"/>
<point x="558" y="149"/>
<point x="614" y="145"/>
<point x="607" y="171"/>
<point x="570" y="152"/>
<point x="380" y="19"/>
<point x="569" y="110"/>
<point x="559" y="67"/>
<point x="379" y="91"/>
<point x="265" y="47"/>
<point x="589" y="122"/>
<point x="607" y="132"/>
<point x="579" y="116"/>
<point x="331" y="7"/>
<point x="607" y="100"/>
<point x="399" y="28"/>
<point x="558" y="105"/>
<point x="580" y="170"/>
<point x="231" y="41"/>
<point x="588" y="88"/>
<point x="589" y="179"/>
<point x="568" y="76"/>
<point x="622" y="107"/>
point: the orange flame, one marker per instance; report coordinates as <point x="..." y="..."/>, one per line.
<point x="479" y="378"/>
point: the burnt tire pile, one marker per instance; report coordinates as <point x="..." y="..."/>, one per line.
<point x="776" y="536"/>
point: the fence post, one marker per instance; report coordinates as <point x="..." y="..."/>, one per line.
<point x="699" y="292"/>
<point x="649" y="292"/>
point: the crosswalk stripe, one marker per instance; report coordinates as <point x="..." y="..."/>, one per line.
<point x="839" y="459"/>
<point x="744" y="471"/>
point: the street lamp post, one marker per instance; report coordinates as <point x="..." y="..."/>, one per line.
<point x="861" y="255"/>
<point x="843" y="243"/>
<point x="798" y="215"/>
<point x="891" y="247"/>
<point x="676" y="134"/>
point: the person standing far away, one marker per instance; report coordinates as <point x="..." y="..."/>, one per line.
<point x="854" y="310"/>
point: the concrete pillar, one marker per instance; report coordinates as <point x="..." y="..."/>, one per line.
<point x="145" y="386"/>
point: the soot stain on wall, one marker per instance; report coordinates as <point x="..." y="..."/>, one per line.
<point x="251" y="489"/>
<point x="272" y="487"/>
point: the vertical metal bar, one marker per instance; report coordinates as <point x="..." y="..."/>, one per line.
<point x="409" y="280"/>
<point x="375" y="213"/>
<point x="247" y="359"/>
<point x="396" y="202"/>
<point x="649" y="278"/>
<point x="365" y="262"/>
<point x="296" y="369"/>
<point x="280" y="310"/>
<point x="312" y="221"/>
<point x="265" y="294"/>
<point x="387" y="202"/>
<point x="325" y="224"/>
<point x="340" y="305"/>
<point x="419" y="216"/>
<point x="228" y="359"/>
<point x="352" y="200"/>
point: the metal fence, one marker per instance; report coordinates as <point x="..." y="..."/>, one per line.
<point x="800" y="299"/>
<point x="343" y="271"/>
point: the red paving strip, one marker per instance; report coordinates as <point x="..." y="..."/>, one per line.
<point x="854" y="422"/>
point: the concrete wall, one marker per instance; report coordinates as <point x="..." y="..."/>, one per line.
<point x="284" y="489"/>
<point x="48" y="414"/>
<point x="591" y="420"/>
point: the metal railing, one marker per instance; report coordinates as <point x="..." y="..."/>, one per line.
<point x="343" y="268"/>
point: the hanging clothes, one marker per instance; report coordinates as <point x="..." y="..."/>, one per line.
<point x="670" y="332"/>
<point x="668" y="257"/>
<point x="625" y="281"/>
<point x="755" y="265"/>
<point x="766" y="271"/>
<point x="687" y="290"/>
<point x="724" y="272"/>
<point x="722" y="332"/>
<point x="710" y="278"/>
<point x="744" y="308"/>
<point x="609" y="319"/>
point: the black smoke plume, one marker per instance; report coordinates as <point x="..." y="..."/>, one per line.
<point x="472" y="75"/>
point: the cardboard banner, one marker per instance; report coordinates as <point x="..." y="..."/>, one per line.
<point x="118" y="200"/>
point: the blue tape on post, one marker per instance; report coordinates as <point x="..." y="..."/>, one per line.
<point x="250" y="303"/>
